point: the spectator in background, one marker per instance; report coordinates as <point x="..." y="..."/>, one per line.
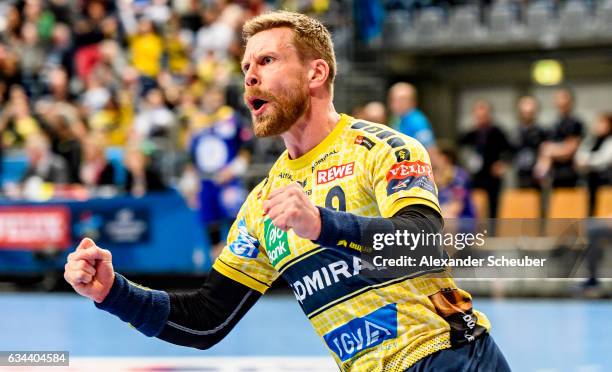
<point x="158" y="11"/>
<point x="373" y="111"/>
<point x="490" y="150"/>
<point x="87" y="36"/>
<point x="594" y="157"/>
<point x="64" y="143"/>
<point x="145" y="45"/>
<point x="61" y="10"/>
<point x="34" y="12"/>
<point x="141" y="178"/>
<point x="59" y="101"/>
<point x="127" y="98"/>
<point x="556" y="156"/>
<point x="178" y="48"/>
<point x="453" y="186"/>
<point x="43" y="165"/>
<point x="9" y="72"/>
<point x="12" y="29"/>
<point x="95" y="97"/>
<point x="369" y="18"/>
<point x="17" y="122"/>
<point x="531" y="135"/>
<point x="173" y="89"/>
<point x="408" y="119"/>
<point x="599" y="236"/>
<point x="214" y="36"/>
<point x="110" y="28"/>
<point x="191" y="15"/>
<point x="57" y="87"/>
<point x="258" y="7"/>
<point x="113" y="62"/>
<point x="103" y="68"/>
<point x="155" y="119"/>
<point x="31" y="58"/>
<point x="60" y="54"/>
<point x="219" y="152"/>
<point x="95" y="169"/>
<point x="109" y="121"/>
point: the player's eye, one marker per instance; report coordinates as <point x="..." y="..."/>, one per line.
<point x="267" y="60"/>
<point x="245" y="68"/>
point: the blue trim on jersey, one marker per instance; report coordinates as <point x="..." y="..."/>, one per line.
<point x="328" y="275"/>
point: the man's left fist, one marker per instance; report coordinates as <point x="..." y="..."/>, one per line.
<point x="289" y="208"/>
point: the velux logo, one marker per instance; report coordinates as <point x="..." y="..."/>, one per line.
<point x="407" y="169"/>
<point x="335" y="172"/>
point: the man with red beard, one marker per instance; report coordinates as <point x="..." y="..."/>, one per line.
<point x="311" y="221"/>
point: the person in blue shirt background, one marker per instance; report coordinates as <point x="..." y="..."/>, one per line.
<point x="407" y="118"/>
<point x="454" y="189"/>
<point x="220" y="151"/>
<point x="454" y="192"/>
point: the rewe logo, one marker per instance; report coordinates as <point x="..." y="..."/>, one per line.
<point x="363" y="333"/>
<point x="335" y="172"/>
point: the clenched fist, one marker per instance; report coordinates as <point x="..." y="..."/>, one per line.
<point x="289" y="208"/>
<point x="89" y="270"/>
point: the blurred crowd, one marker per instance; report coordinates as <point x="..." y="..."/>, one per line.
<point x="79" y="76"/>
<point x="542" y="157"/>
<point x="103" y="97"/>
<point x="132" y="96"/>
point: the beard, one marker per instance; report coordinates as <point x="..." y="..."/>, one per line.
<point x="283" y="111"/>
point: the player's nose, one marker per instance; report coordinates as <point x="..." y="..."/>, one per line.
<point x="251" y="78"/>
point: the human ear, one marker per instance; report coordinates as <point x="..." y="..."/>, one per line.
<point x="318" y="73"/>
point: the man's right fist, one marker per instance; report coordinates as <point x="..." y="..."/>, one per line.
<point x="89" y="270"/>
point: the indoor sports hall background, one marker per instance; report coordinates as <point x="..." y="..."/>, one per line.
<point x="123" y="121"/>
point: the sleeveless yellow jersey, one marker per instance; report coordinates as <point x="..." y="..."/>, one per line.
<point x="367" y="324"/>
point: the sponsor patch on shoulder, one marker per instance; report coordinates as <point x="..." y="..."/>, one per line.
<point x="244" y="245"/>
<point x="402" y="154"/>
<point x="408" y="174"/>
<point x="365" y="142"/>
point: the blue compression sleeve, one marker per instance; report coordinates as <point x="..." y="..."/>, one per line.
<point x="342" y="226"/>
<point x="348" y="229"/>
<point x="146" y="310"/>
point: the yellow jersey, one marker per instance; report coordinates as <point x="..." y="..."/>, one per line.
<point x="147" y="51"/>
<point x="367" y="324"/>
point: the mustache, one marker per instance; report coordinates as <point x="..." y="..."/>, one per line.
<point x="249" y="92"/>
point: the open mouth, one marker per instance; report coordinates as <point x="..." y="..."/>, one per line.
<point x="257" y="104"/>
